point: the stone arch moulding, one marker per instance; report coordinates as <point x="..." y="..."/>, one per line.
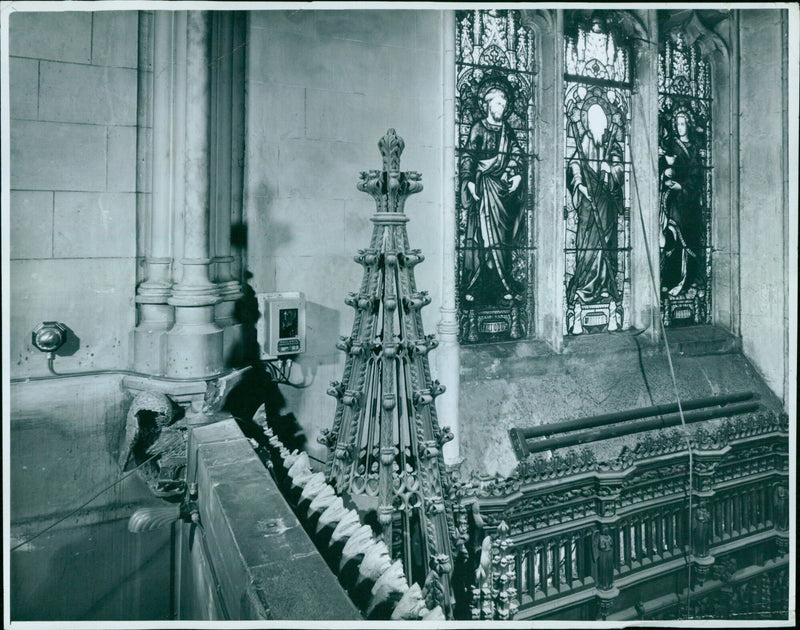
<point x="629" y="23"/>
<point x="542" y="19"/>
<point x="697" y="32"/>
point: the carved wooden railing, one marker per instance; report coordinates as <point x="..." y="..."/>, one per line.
<point x="597" y="540"/>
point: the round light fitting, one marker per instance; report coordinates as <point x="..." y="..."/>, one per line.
<point x="49" y="336"/>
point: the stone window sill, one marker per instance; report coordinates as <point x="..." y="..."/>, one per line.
<point x="519" y="358"/>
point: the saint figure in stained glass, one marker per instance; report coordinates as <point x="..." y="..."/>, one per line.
<point x="597" y="104"/>
<point x="494" y="179"/>
<point x="684" y="117"/>
<point x="490" y="172"/>
<point x="681" y="216"/>
<point x="595" y="180"/>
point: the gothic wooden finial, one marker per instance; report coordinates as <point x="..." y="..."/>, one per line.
<point x="391" y="146"/>
<point x="389" y="187"/>
<point x="387" y="384"/>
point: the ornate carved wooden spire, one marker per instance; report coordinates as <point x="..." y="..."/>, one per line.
<point x="385" y="446"/>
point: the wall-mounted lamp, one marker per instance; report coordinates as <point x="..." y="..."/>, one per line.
<point x="49" y="336"/>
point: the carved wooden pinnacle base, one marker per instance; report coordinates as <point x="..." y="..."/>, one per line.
<point x="385" y="445"/>
<point x="605" y="602"/>
<point x="701" y="566"/>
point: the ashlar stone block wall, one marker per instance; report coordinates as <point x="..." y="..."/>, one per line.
<point x="73" y="88"/>
<point x="322" y="88"/>
<point x="764" y="205"/>
<point x="73" y="92"/>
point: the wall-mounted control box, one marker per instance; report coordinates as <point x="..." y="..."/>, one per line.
<point x="281" y="327"/>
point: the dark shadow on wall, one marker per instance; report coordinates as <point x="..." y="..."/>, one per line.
<point x="93" y="573"/>
<point x="280" y="232"/>
<point x="322" y="330"/>
<point x="71" y="345"/>
<point x="257" y="386"/>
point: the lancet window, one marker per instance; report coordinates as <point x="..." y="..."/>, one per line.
<point x="494" y="148"/>
<point x="684" y="148"/>
<point x="597" y="114"/>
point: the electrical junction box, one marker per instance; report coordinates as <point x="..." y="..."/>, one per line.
<point x="281" y="328"/>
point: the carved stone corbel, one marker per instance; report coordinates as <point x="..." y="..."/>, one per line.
<point x="704" y="467"/>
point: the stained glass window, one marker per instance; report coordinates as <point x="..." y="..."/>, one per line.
<point x="597" y="104"/>
<point x="494" y="147"/>
<point x="684" y="148"/>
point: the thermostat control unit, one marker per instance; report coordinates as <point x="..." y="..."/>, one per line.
<point x="281" y="328"/>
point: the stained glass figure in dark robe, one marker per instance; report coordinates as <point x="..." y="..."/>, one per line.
<point x="681" y="218"/>
<point x="490" y="172"/>
<point x="595" y="180"/>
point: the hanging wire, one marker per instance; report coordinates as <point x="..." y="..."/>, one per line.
<point x="83" y="505"/>
<point x="685" y="431"/>
<point x="281" y="371"/>
<point x="316" y="459"/>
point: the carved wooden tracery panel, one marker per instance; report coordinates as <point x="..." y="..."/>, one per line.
<point x="684" y="117"/>
<point x="597" y="111"/>
<point x="494" y="147"/>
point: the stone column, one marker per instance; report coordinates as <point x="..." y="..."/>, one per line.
<point x="644" y="186"/>
<point x="725" y="182"/>
<point x="550" y="179"/>
<point x="226" y="150"/>
<point x="238" y="142"/>
<point x="448" y="360"/>
<point x="194" y="343"/>
<point x="155" y="104"/>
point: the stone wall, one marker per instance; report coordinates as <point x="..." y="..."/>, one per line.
<point x="73" y="83"/>
<point x="65" y="450"/>
<point x="100" y="573"/>
<point x="64" y="440"/>
<point x="529" y="385"/>
<point x="322" y="88"/>
<point x="73" y="80"/>
<point x="764" y="210"/>
<point x="255" y="547"/>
